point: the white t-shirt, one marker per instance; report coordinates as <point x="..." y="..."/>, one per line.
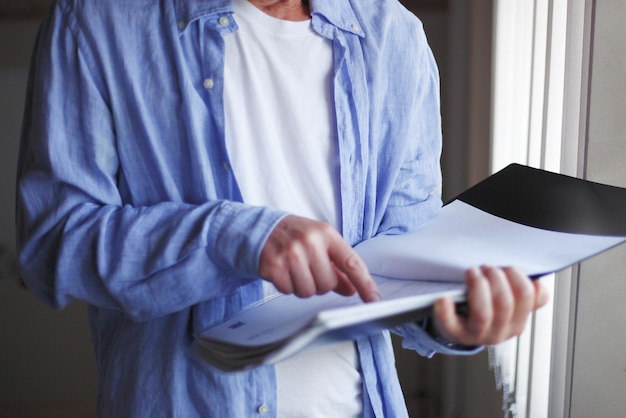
<point x="281" y="140"/>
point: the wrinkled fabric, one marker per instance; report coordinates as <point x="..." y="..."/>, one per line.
<point x="126" y="198"/>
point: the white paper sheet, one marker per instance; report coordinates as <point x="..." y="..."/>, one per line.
<point x="435" y="257"/>
<point x="461" y="237"/>
<point x="280" y="316"/>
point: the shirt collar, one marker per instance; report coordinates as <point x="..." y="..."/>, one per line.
<point x="338" y="13"/>
<point x="189" y="10"/>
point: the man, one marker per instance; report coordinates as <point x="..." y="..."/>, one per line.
<point x="175" y="151"/>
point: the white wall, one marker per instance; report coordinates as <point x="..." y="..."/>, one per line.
<point x="599" y="355"/>
<point x="46" y="363"/>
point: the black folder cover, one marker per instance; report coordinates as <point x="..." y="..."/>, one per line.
<point x="551" y="201"/>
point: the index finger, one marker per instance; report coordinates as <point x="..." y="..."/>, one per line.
<point x="348" y="262"/>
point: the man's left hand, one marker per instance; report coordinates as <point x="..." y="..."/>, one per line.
<point x="500" y="300"/>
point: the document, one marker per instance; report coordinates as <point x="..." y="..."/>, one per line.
<point x="502" y="221"/>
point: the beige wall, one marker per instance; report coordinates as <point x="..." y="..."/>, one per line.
<point x="599" y="357"/>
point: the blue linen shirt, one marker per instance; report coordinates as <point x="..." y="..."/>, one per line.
<point x="126" y="199"/>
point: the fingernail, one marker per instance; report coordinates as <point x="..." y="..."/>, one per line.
<point x="374" y="297"/>
<point x="437" y="307"/>
<point x="474" y="273"/>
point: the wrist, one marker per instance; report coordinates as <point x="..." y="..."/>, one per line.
<point x="428" y="325"/>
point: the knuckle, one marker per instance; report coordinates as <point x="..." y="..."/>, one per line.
<point x="305" y="292"/>
<point x="317" y="233"/>
<point x="292" y="255"/>
<point x="325" y="287"/>
<point x="503" y="302"/>
<point x="269" y="267"/>
<point x="481" y="319"/>
<point x="526" y="290"/>
<point x="354" y="263"/>
<point x="283" y="286"/>
<point x="325" y="228"/>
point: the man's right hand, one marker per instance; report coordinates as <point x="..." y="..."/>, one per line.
<point x="307" y="257"/>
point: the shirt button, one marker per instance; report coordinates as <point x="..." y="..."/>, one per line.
<point x="208" y="83"/>
<point x="263" y="409"/>
<point x="356" y="28"/>
<point x="227" y="167"/>
<point x="181" y="24"/>
<point x="224" y="21"/>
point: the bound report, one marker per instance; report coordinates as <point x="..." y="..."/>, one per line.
<point x="538" y="221"/>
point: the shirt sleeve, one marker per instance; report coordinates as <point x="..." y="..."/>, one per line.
<point x="416" y="193"/>
<point x="77" y="238"/>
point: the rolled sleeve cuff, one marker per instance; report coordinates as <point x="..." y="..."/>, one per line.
<point x="415" y="337"/>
